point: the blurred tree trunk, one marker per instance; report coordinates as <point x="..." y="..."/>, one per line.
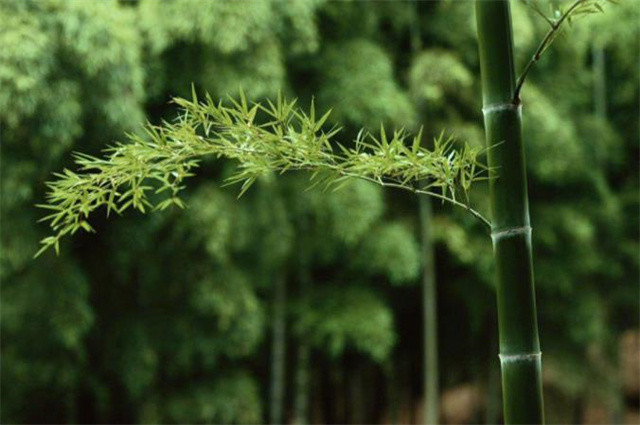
<point x="278" y="351"/>
<point x="429" y="292"/>
<point x="302" y="385"/>
<point x="600" y="110"/>
<point x="599" y="81"/>
<point x="338" y="396"/>
<point x="302" y="381"/>
<point x="357" y="396"/>
<point x="71" y="406"/>
<point x="429" y="309"/>
<point x="393" y="391"/>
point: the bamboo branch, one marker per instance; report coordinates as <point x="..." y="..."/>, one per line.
<point x="577" y="7"/>
<point x="132" y="173"/>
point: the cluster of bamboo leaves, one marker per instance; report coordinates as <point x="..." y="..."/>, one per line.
<point x="147" y="172"/>
<point x="138" y="172"/>
<point x="577" y="9"/>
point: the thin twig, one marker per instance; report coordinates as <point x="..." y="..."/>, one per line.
<point x="409" y="188"/>
<point x="455" y="202"/>
<point x="533" y="5"/>
<point x="555" y="27"/>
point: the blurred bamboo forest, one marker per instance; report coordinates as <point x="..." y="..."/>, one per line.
<point x="302" y="306"/>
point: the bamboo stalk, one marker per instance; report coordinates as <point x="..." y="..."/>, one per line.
<point x="429" y="286"/>
<point x="429" y="306"/>
<point x="302" y="382"/>
<point x="520" y="355"/>
<point x="302" y="376"/>
<point x="278" y="351"/>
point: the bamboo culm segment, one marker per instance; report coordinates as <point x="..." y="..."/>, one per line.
<point x="520" y="355"/>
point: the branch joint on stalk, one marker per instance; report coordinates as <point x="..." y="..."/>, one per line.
<point x="509" y="232"/>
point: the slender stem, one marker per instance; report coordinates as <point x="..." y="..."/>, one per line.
<point x="536" y="9"/>
<point x="302" y="385"/>
<point x="546" y="41"/>
<point x="302" y="378"/>
<point x="466" y="207"/>
<point x="278" y="351"/>
<point x="429" y="285"/>
<point x="429" y="305"/>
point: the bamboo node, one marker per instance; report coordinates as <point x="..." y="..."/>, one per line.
<point x="503" y="106"/>
<point x="508" y="358"/>
<point x="510" y="231"/>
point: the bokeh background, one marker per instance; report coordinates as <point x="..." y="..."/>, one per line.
<point x="205" y="315"/>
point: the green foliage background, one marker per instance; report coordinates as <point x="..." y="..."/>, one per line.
<point x="167" y="317"/>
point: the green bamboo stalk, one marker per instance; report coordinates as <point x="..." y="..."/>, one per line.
<point x="429" y="289"/>
<point x="520" y="355"/>
<point x="278" y="351"/>
<point x="429" y="307"/>
<point x="302" y="378"/>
